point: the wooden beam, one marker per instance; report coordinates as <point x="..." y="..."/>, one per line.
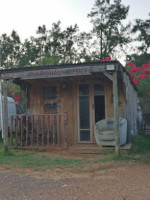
<point x="49" y="73"/>
<point x="109" y="76"/>
<point x="116" y="113"/>
<point x="8" y="82"/>
<point x="54" y="73"/>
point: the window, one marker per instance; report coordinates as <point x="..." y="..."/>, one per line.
<point x="50" y="93"/>
<point x="50" y="98"/>
<point x="98" y="89"/>
<point x="50" y="107"/>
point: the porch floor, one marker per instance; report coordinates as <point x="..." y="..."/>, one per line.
<point x="80" y="148"/>
<point x="95" y="149"/>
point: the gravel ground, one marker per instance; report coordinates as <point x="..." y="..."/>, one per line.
<point x="104" y="182"/>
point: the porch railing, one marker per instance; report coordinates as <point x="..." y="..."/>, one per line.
<point x="47" y="130"/>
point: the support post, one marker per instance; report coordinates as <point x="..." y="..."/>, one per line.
<point x="5" y="116"/>
<point x="1" y="112"/>
<point x="65" y="129"/>
<point x="116" y="113"/>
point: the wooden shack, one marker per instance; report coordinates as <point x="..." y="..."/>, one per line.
<point x="65" y="101"/>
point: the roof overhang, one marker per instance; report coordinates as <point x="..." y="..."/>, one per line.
<point x="44" y="72"/>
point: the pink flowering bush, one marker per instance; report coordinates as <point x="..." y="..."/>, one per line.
<point x="16" y="93"/>
<point x="16" y="97"/>
<point x="106" y="59"/>
<point x="141" y="78"/>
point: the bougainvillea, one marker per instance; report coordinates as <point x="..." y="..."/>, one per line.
<point x="106" y="59"/>
<point x="11" y="91"/>
<point x="16" y="97"/>
<point x="141" y="78"/>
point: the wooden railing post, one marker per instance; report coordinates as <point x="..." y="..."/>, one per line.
<point x="32" y="125"/>
<point x="11" y="132"/>
<point x="16" y="132"/>
<point x="21" y="136"/>
<point x="26" y="143"/>
<point x="58" y="131"/>
<point x="37" y="130"/>
<point x="43" y="130"/>
<point x="65" y="130"/>
<point x="48" y="130"/>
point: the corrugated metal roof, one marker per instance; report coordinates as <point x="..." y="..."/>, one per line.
<point x="31" y="68"/>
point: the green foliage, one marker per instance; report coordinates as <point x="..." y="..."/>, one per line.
<point x="47" y="60"/>
<point x="144" y="94"/>
<point x="141" y="144"/>
<point x="108" y="37"/>
<point x="22" y="159"/>
<point x="141" y="33"/>
<point x="138" y="59"/>
<point x="19" y="91"/>
<point x="142" y="28"/>
<point x="107" y="19"/>
<point x="32" y="159"/>
<point x="141" y="77"/>
<point x="10" y="48"/>
<point x="140" y="152"/>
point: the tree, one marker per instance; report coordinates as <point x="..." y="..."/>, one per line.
<point x="48" y="60"/>
<point x="10" y="47"/>
<point x="141" y="34"/>
<point x="108" y="30"/>
<point x="84" y="47"/>
<point x="142" y="29"/>
<point x="68" y="44"/>
<point x="29" y="53"/>
<point x="57" y="43"/>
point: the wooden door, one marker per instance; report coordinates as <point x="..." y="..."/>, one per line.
<point x="99" y="102"/>
<point x="91" y="108"/>
<point x="84" y="113"/>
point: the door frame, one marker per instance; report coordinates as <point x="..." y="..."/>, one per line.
<point x="91" y="108"/>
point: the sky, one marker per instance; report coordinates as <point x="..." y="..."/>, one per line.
<point x="24" y="16"/>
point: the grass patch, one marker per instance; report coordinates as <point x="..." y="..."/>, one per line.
<point x="29" y="159"/>
<point x="22" y="159"/>
<point x="139" y="152"/>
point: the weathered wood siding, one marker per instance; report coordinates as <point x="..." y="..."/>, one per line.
<point x="109" y="99"/>
<point x="35" y="98"/>
<point x="67" y="100"/>
<point x="131" y="109"/>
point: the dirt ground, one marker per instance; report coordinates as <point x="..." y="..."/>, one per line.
<point x="100" y="181"/>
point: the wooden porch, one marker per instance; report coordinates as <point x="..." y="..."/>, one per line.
<point x="95" y="149"/>
<point x="34" y="131"/>
<point x="49" y="132"/>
